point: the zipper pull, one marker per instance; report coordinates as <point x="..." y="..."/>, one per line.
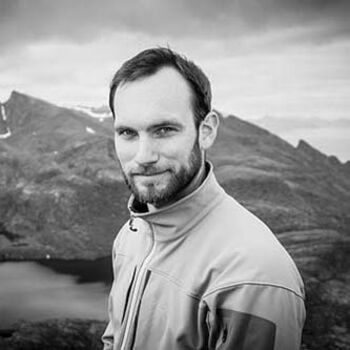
<point x="131" y="227"/>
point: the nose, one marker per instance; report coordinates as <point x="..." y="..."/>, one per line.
<point x="147" y="152"/>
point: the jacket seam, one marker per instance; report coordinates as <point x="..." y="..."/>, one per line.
<point x="251" y="283"/>
<point x="176" y="282"/>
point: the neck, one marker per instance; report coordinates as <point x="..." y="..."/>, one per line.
<point x="194" y="184"/>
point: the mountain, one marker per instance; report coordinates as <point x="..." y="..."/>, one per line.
<point x="61" y="193"/>
<point x="330" y="136"/>
<point x="62" y="196"/>
<point x="289" y="187"/>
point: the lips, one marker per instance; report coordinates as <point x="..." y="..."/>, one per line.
<point x="150" y="174"/>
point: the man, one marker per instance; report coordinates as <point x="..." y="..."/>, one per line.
<point x="193" y="269"/>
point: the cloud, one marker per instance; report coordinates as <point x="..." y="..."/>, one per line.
<point x="81" y="21"/>
<point x="281" y="57"/>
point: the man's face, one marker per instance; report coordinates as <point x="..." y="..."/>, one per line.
<point x="155" y="136"/>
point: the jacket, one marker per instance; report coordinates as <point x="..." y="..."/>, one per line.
<point x="202" y="273"/>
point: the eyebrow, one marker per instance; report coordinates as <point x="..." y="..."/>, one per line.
<point x="164" y="124"/>
<point x="161" y="124"/>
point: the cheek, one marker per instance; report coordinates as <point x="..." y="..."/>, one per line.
<point x="171" y="148"/>
<point x="177" y="150"/>
<point x="124" y="151"/>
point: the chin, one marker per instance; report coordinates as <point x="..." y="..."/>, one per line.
<point x="153" y="196"/>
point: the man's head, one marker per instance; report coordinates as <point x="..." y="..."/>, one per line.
<point x="160" y="139"/>
<point x="149" y="61"/>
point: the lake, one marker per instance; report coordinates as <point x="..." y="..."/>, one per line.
<point x="54" y="289"/>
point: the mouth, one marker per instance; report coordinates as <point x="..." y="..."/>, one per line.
<point x="149" y="174"/>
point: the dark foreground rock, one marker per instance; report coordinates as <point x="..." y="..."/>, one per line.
<point x="65" y="334"/>
<point x="322" y="259"/>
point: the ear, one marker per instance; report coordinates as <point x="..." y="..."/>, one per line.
<point x="208" y="130"/>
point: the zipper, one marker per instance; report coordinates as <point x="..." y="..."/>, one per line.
<point x="136" y="295"/>
<point x="128" y="294"/>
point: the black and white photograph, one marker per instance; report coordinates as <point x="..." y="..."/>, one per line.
<point x="175" y="175"/>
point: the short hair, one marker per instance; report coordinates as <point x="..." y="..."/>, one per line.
<point x="150" y="61"/>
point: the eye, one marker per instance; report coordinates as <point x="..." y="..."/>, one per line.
<point x="164" y="131"/>
<point x="127" y="134"/>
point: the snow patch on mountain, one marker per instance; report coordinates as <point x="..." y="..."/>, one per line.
<point x="90" y="130"/>
<point x="100" y="113"/>
<point x="3" y="113"/>
<point x="3" y="118"/>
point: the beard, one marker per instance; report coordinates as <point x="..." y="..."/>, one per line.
<point x="178" y="181"/>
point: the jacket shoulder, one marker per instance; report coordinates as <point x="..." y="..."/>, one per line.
<point x="245" y="249"/>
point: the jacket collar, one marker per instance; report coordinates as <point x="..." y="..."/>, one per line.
<point x="170" y="222"/>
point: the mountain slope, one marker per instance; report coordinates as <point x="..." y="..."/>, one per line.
<point x="59" y="182"/>
<point x="290" y="188"/>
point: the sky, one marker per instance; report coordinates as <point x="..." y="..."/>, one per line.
<point x="280" y="58"/>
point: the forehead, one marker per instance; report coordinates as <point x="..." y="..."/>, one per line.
<point x="165" y="94"/>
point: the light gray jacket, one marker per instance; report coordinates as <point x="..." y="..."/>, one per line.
<point x="203" y="273"/>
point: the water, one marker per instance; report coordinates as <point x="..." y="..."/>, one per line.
<point x="54" y="289"/>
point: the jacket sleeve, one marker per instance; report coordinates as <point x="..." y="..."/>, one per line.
<point x="255" y="317"/>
